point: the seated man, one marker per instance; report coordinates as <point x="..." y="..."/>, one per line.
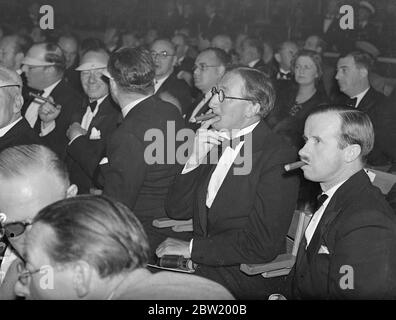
<point x="349" y="248"/>
<point x="93" y="124"/>
<point x="31" y="177"/>
<point x="14" y="130"/>
<point x="241" y="214"/>
<point x="109" y="262"/>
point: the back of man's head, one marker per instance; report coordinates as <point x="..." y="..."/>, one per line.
<point x="362" y="60"/>
<point x="132" y="70"/>
<point x="107" y="234"/>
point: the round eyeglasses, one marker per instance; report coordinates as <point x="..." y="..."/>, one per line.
<point x="13" y="229"/>
<point x="221" y="95"/>
<point x="24" y="274"/>
<point x="162" y="54"/>
<point x="202" y="67"/>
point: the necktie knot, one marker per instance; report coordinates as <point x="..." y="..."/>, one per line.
<point x="92" y="105"/>
<point x="284" y="75"/>
<point x="352" y="102"/>
<point x="321" y="199"/>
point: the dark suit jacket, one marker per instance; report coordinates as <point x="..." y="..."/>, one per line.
<point x="84" y="154"/>
<point x="250" y="216"/>
<point x="19" y="134"/>
<point x="179" y="89"/>
<point x="359" y="230"/>
<point x="71" y="103"/>
<point x="131" y="176"/>
<point x="382" y="113"/>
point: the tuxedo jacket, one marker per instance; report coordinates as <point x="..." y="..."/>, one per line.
<point x="383" y="116"/>
<point x="85" y="152"/>
<point x="71" y="102"/>
<point x="356" y="232"/>
<point x="138" y="172"/>
<point x="19" y="134"/>
<point x="179" y="89"/>
<point x="251" y="213"/>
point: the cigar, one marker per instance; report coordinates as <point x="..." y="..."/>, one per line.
<point x="41" y="98"/>
<point x="294" y="165"/>
<point x="205" y="117"/>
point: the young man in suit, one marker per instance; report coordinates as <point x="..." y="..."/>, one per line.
<point x="94" y="123"/>
<point x="243" y="203"/>
<point x="44" y="66"/>
<point x="166" y="81"/>
<point x="14" y="129"/>
<point x="131" y="174"/>
<point x="348" y="250"/>
<point x="353" y="79"/>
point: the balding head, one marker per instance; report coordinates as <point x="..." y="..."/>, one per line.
<point x="11" y="100"/>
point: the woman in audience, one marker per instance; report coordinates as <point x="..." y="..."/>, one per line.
<point x="291" y="116"/>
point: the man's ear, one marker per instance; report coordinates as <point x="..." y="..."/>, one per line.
<point x="71" y="191"/>
<point x="363" y="72"/>
<point x="174" y="60"/>
<point x="18" y="58"/>
<point x="253" y="110"/>
<point x="277" y="57"/>
<point x="18" y="103"/>
<point x="352" y="152"/>
<point x="82" y="276"/>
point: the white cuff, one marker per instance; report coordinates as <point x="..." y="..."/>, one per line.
<point x="48" y="128"/>
<point x="190" y="246"/>
<point x="74" y="139"/>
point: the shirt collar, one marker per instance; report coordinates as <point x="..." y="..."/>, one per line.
<point x="132" y="104"/>
<point x="100" y="100"/>
<point x="158" y="83"/>
<point x="331" y="192"/>
<point x="252" y="63"/>
<point x="8" y="127"/>
<point x="242" y="132"/>
<point x="48" y="90"/>
<point x="360" y="96"/>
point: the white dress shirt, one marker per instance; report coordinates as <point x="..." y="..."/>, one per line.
<point x="252" y="63"/>
<point x="31" y="114"/>
<point x="89" y="114"/>
<point x="8" y="127"/>
<point x="158" y="83"/>
<point x="313" y="224"/>
<point x="206" y="98"/>
<point x="223" y="166"/>
<point x="8" y="259"/>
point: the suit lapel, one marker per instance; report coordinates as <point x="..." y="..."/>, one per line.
<point x="367" y="102"/>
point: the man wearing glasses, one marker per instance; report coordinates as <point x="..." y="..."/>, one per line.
<point x="209" y="67"/>
<point x="166" y="81"/>
<point x="238" y="217"/>
<point x="14" y="130"/>
<point x="93" y="124"/>
<point x="31" y="177"/>
<point x="44" y="66"/>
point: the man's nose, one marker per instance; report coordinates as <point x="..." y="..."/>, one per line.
<point x="21" y="290"/>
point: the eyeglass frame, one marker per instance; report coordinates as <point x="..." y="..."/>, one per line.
<point x="24" y="273"/>
<point x="202" y="67"/>
<point x="3" y="226"/>
<point x="220" y="93"/>
<point x="163" y="54"/>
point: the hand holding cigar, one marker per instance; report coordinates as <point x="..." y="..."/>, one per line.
<point x="294" y="165"/>
<point x="43" y="99"/>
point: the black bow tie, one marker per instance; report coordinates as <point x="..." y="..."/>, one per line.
<point x="284" y="75"/>
<point x="92" y="105"/>
<point x="351" y="102"/>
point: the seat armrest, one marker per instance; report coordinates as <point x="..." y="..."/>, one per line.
<point x="282" y="261"/>
<point x="276" y="273"/>
<point x="183" y="228"/>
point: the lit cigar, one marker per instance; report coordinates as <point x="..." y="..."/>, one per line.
<point x="205" y="117"/>
<point x="294" y="165"/>
<point x="41" y="98"/>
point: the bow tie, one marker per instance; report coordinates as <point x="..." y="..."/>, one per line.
<point x="92" y="105"/>
<point x="351" y="102"/>
<point x="283" y="75"/>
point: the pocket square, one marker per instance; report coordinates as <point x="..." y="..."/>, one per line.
<point x="95" y="134"/>
<point x="323" y="250"/>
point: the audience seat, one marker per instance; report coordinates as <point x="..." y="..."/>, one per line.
<point x="176" y="225"/>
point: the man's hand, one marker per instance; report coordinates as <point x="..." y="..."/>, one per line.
<point x="48" y="111"/>
<point x="205" y="140"/>
<point x="175" y="247"/>
<point x="75" y="130"/>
